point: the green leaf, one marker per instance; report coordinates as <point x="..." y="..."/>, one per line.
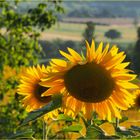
<point x="42" y="5"/>
<point x="73" y="128"/>
<point x="112" y="137"/>
<point x="135" y="137"/>
<point x="54" y="104"/>
<point x="99" y="122"/>
<point x="22" y="134"/>
<point x="123" y="119"/>
<point x="94" y="132"/>
<point x="82" y="55"/>
<point x="124" y="132"/>
<point x="135" y="128"/>
<point x="136" y="80"/>
<point x="11" y="13"/>
<point x="64" y="117"/>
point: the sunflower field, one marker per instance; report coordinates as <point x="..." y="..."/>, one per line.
<point x="83" y="90"/>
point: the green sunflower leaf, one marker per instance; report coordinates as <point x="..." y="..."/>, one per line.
<point x="64" y="117"/>
<point x="99" y="122"/>
<point x="136" y="80"/>
<point x="124" y="132"/>
<point x="123" y="119"/>
<point x="82" y="55"/>
<point x="94" y="132"/>
<point x="135" y="128"/>
<point x="52" y="105"/>
<point x="73" y="128"/>
<point x="135" y="138"/>
<point x="112" y="137"/>
<point x="22" y="134"/>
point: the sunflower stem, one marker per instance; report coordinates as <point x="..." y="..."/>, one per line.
<point x="44" y="130"/>
<point x="117" y="123"/>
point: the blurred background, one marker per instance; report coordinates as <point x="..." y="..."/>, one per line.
<point x="114" y="22"/>
<point x="32" y="32"/>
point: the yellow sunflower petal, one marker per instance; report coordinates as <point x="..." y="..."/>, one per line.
<point x="69" y="57"/>
<point x="88" y="110"/>
<point x="103" y="53"/>
<point x="122" y="65"/>
<point x="59" y="62"/>
<point x="98" y="53"/>
<point x="75" y="55"/>
<point x="108" y="111"/>
<point x="88" y="51"/>
<point x="99" y="49"/>
<point x="127" y="77"/>
<point x="115" y="61"/>
<point x="92" y="51"/>
<point x="50" y="83"/>
<point x="118" y="102"/>
<point x="127" y="85"/>
<point x="110" y="55"/>
<point x="52" y="90"/>
<point x="114" y="110"/>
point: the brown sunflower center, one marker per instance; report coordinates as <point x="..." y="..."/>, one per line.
<point x="137" y="101"/>
<point x="38" y="92"/>
<point x="89" y="82"/>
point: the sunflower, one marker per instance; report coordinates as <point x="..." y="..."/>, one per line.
<point x="137" y="98"/>
<point x="32" y="90"/>
<point x="98" y="81"/>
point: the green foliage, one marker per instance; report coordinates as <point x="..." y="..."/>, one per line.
<point x="123" y="132"/>
<point x="112" y="34"/>
<point x="19" y="46"/>
<point x="19" y="32"/>
<point x="54" y="104"/>
<point x="19" y="51"/>
<point x="73" y="128"/>
<point x="135" y="128"/>
<point x="10" y="118"/>
<point x="12" y="112"/>
<point x="94" y="132"/>
<point x="28" y="133"/>
<point x="123" y="119"/>
<point x="65" y="125"/>
<point x="64" y="118"/>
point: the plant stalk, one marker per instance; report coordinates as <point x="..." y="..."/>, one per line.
<point x="44" y="130"/>
<point x="117" y="123"/>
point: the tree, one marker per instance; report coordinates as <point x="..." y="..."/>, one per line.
<point x="89" y="32"/>
<point x="19" y="32"/>
<point x="138" y="32"/>
<point x="19" y="47"/>
<point x="136" y="57"/>
<point x="112" y="34"/>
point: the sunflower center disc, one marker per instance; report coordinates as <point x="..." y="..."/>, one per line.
<point x="38" y="92"/>
<point x="137" y="101"/>
<point x="89" y="82"/>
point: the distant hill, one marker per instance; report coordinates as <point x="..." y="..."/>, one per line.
<point x="92" y="9"/>
<point x="102" y="9"/>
